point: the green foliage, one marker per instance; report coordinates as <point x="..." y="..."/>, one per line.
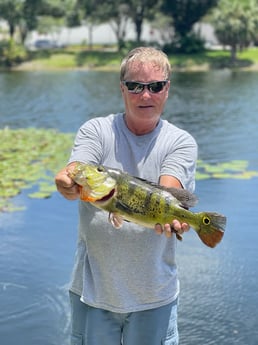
<point x="236" y="24"/>
<point x="54" y="8"/>
<point x="189" y="44"/>
<point x="107" y="58"/>
<point x="11" y="11"/>
<point x="11" y="53"/>
<point x="30" y="158"/>
<point x="185" y="14"/>
<point x="23" y="15"/>
<point x="48" y="24"/>
<point x="140" y="10"/>
<point x="95" y="59"/>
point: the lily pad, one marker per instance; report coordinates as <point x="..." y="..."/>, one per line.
<point x="30" y="158"/>
<point x="235" y="169"/>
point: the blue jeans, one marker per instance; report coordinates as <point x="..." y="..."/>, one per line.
<point x="93" y="326"/>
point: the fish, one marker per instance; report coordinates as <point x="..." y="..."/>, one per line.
<point x="145" y="203"/>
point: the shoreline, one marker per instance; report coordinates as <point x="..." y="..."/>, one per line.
<point x="36" y="67"/>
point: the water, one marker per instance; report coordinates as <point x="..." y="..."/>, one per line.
<point x="219" y="294"/>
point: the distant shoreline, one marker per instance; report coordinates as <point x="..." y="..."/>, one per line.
<point x="36" y="66"/>
<point x="79" y="58"/>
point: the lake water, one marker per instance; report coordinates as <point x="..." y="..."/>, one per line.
<point x="219" y="287"/>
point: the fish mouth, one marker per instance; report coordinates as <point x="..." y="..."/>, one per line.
<point x="106" y="197"/>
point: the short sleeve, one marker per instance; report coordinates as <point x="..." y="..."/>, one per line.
<point x="180" y="160"/>
<point x="88" y="143"/>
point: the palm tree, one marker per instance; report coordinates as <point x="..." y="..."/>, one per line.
<point x="236" y="24"/>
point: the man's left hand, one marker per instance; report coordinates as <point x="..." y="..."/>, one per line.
<point x="169" y="229"/>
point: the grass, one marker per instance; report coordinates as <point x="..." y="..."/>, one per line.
<point x="213" y="59"/>
<point x="74" y="57"/>
<point x="99" y="58"/>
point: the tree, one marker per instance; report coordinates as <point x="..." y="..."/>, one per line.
<point x="138" y="10"/>
<point x="185" y="14"/>
<point x="24" y="14"/>
<point x="117" y="14"/>
<point x="29" y="19"/>
<point x="114" y="12"/>
<point x="92" y="13"/>
<point x="236" y="24"/>
<point x="11" y="11"/>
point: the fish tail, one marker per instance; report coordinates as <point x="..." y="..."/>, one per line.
<point x="211" y="228"/>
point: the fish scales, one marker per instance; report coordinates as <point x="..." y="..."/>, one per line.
<point x="143" y="202"/>
<point x="132" y="198"/>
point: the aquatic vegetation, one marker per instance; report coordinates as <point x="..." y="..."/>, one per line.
<point x="30" y="158"/>
<point x="235" y="169"/>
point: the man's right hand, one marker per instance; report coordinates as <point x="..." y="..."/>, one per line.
<point x="65" y="185"/>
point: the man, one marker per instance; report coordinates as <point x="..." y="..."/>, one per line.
<point x="124" y="287"/>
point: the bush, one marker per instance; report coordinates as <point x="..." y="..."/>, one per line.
<point x="188" y="44"/>
<point x="11" y="53"/>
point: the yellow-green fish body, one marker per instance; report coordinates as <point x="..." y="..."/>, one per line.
<point x="143" y="202"/>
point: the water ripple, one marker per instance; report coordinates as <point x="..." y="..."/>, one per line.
<point x="31" y="311"/>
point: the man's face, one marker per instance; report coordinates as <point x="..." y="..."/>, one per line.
<point x="144" y="106"/>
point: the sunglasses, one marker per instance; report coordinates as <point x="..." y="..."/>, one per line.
<point x="136" y="87"/>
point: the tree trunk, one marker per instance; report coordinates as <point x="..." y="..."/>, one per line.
<point x="138" y="27"/>
<point x="233" y="52"/>
<point x="11" y="30"/>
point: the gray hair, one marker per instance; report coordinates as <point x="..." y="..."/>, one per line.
<point x="143" y="55"/>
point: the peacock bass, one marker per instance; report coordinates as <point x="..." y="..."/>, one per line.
<point x="144" y="203"/>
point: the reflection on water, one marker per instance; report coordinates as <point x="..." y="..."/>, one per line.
<point x="219" y="294"/>
<point x="36" y="255"/>
<point x="56" y="100"/>
<point x="50" y="310"/>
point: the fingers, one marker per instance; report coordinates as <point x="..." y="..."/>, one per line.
<point x="169" y="229"/>
<point x="158" y="229"/>
<point x="66" y="186"/>
<point x="180" y="227"/>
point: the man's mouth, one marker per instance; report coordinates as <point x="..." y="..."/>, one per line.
<point x="145" y="106"/>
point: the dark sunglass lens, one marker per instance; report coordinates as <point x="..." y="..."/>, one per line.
<point x="134" y="87"/>
<point x="157" y="86"/>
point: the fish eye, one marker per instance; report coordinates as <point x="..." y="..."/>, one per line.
<point x="100" y="169"/>
<point x="206" y="220"/>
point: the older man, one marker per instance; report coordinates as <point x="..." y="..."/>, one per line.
<point x="124" y="287"/>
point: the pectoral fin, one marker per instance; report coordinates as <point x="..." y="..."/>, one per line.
<point x="116" y="220"/>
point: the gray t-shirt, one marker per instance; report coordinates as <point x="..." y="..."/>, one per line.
<point x="132" y="268"/>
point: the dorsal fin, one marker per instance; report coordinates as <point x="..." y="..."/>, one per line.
<point x="185" y="198"/>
